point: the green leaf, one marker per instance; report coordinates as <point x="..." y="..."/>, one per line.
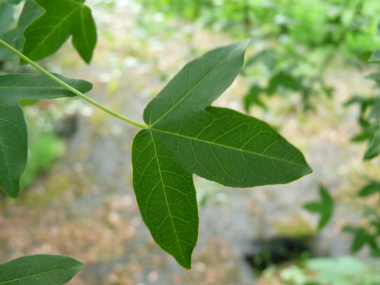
<point x="186" y="136"/>
<point x="375" y="111"/>
<point x="361" y="238"/>
<point x="61" y="19"/>
<point x="6" y="17"/>
<point x="370" y="57"/>
<point x="325" y="207"/>
<point x="39" y="269"/>
<point x="6" y="54"/>
<point x="375" y="77"/>
<point x="252" y="98"/>
<point x="373" y="147"/>
<point x="12" y="2"/>
<point x="6" y="20"/>
<point x="15" y="37"/>
<point x="283" y="79"/>
<point x="13" y="129"/>
<point x="372" y="188"/>
<point x="375" y="253"/>
<point x="363" y="101"/>
<point x="268" y="56"/>
<point x="362" y="137"/>
<point x="197" y="85"/>
<point x="30" y="12"/>
<point x="375" y="57"/>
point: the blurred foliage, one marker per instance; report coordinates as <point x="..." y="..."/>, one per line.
<point x="297" y="227"/>
<point x="49" y="124"/>
<point x="44" y="149"/>
<point x="324" y="208"/>
<point x="320" y="271"/>
<point x="285" y="35"/>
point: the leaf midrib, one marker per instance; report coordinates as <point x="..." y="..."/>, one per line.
<point x="225" y="146"/>
<point x="167" y="203"/>
<point x="192" y="89"/>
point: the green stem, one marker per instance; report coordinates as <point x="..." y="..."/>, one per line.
<point x="68" y="87"/>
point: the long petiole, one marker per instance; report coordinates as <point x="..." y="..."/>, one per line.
<point x="68" y="87"/>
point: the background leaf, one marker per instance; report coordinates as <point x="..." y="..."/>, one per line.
<point x="361" y="238"/>
<point x="370" y="57"/>
<point x="325" y="207"/>
<point x="375" y="111"/>
<point x="13" y="129"/>
<point x="30" y="12"/>
<point x="375" y="57"/>
<point x="6" y="17"/>
<point x="61" y="19"/>
<point x="373" y="147"/>
<point x="371" y="188"/>
<point x="39" y="270"/>
<point x="15" y="37"/>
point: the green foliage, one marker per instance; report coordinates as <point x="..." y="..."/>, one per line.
<point x="61" y="19"/>
<point x="370" y="57"/>
<point x="13" y="129"/>
<point x="324" y="270"/>
<point x="297" y="40"/>
<point x="361" y="238"/>
<point x="12" y="2"/>
<point x="366" y="235"/>
<point x="40" y="269"/>
<point x="31" y="11"/>
<point x="342" y="271"/>
<point x="324" y="208"/>
<point x="372" y="188"/>
<point x="185" y="136"/>
<point x="43" y="150"/>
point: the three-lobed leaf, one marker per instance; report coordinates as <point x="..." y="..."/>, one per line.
<point x="361" y="238"/>
<point x="61" y="19"/>
<point x="13" y="129"/>
<point x="40" y="269"/>
<point x="324" y="208"/>
<point x="186" y="136"/>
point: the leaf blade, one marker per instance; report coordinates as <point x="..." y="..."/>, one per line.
<point x="242" y="151"/>
<point x="42" y="269"/>
<point x="325" y="208"/>
<point x="84" y="37"/>
<point x="180" y="122"/>
<point x="372" y="188"/>
<point x="30" y="12"/>
<point x="13" y="129"/>
<point x="373" y="148"/>
<point x="50" y="31"/>
<point x="155" y="183"/>
<point x="187" y="92"/>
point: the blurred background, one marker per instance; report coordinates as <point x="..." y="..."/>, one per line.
<point x="302" y="74"/>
